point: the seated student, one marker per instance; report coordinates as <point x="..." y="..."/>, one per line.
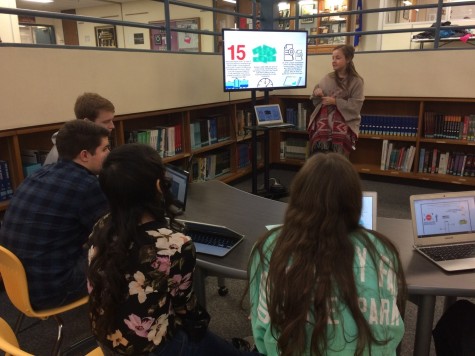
<point x="91" y="107"/>
<point x="140" y="274"/>
<point x="52" y="213"/>
<point x="454" y="334"/>
<point x="322" y="284"/>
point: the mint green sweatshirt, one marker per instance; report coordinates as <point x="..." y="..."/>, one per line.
<point x="377" y="299"/>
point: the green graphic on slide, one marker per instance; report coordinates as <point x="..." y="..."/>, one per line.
<point x="264" y="54"/>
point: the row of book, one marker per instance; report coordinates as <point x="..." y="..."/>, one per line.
<point x="32" y="160"/>
<point x="297" y="117"/>
<point x="395" y="156"/>
<point x="209" y="130"/>
<point x="244" y="154"/>
<point x="6" y="189"/>
<point x="167" y="140"/>
<point x="456" y="127"/>
<point x="210" y="166"/>
<point x="243" y="119"/>
<point x="434" y="161"/>
<point x="389" y="125"/>
<point x="294" y="148"/>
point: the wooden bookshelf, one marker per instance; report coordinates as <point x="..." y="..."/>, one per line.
<point x="366" y="157"/>
<point x="12" y="142"/>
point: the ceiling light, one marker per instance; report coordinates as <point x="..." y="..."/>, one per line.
<point x="283" y="6"/>
<point x="407" y="3"/>
<point x="231" y="1"/>
<point x="41" y="1"/>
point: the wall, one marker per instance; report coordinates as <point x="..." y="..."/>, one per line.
<point x="44" y="83"/>
<point x="9" y="30"/>
<point x="144" y="12"/>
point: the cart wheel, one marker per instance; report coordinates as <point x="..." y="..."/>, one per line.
<point x="223" y="291"/>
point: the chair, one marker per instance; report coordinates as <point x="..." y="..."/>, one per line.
<point x="9" y="342"/>
<point x="96" y="352"/>
<point x="16" y="286"/>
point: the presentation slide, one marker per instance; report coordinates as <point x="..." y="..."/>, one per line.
<point x="264" y="59"/>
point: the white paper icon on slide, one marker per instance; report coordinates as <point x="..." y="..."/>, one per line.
<point x="289" y="52"/>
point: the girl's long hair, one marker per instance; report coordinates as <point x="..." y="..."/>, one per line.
<point x="129" y="181"/>
<point x="313" y="257"/>
<point x="349" y="52"/>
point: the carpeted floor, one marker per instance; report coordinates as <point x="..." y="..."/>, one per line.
<point x="229" y="319"/>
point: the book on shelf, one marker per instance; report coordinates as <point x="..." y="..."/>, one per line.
<point x="422" y="153"/>
<point x="389" y="125"/>
<point x="167" y="140"/>
<point x="6" y="189"/>
<point x="296" y="148"/>
<point x="454" y="127"/>
<point x="301" y="116"/>
<point x="434" y="161"/>
<point x="240" y="123"/>
<point x="210" y="166"/>
<point x="397" y="157"/>
<point x="32" y="156"/>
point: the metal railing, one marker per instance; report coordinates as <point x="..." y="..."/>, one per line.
<point x="265" y="22"/>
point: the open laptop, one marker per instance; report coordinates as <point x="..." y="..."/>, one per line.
<point x="215" y="240"/>
<point x="269" y="116"/>
<point x="444" y="228"/>
<point x="179" y="186"/>
<point x="369" y="211"/>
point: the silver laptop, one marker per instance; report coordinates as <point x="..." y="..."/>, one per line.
<point x="270" y="116"/>
<point x="369" y="210"/>
<point x="215" y="240"/>
<point x="444" y="228"/>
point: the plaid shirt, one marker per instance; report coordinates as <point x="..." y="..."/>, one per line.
<point x="47" y="223"/>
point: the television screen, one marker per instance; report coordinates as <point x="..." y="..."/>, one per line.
<point x="264" y="59"/>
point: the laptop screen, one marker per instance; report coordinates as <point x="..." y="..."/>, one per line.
<point x="179" y="186"/>
<point x="369" y="210"/>
<point x="447" y="217"/>
<point x="268" y="114"/>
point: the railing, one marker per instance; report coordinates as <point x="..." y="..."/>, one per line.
<point x="209" y="39"/>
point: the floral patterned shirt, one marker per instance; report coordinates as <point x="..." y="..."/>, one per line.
<point x="159" y="289"/>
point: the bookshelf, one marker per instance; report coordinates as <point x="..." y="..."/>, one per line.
<point x="401" y="121"/>
<point x="231" y="149"/>
<point x="219" y="151"/>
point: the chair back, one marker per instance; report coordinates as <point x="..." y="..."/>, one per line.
<point x="9" y="342"/>
<point x="14" y="279"/>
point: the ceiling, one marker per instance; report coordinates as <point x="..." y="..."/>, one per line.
<point x="60" y="5"/>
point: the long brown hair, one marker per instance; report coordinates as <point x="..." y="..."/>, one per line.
<point x="349" y="52"/>
<point x="324" y="210"/>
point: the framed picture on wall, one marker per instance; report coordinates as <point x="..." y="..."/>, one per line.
<point x="181" y="41"/>
<point x="106" y="36"/>
<point x="307" y="9"/>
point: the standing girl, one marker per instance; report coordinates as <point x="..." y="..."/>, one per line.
<point x="338" y="98"/>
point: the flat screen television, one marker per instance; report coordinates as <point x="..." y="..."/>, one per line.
<point x="264" y="60"/>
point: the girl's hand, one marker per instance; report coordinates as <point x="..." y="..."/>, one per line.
<point x="318" y="92"/>
<point x="328" y="100"/>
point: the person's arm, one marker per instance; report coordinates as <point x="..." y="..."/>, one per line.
<point x="183" y="263"/>
<point x="93" y="206"/>
<point x="350" y="108"/>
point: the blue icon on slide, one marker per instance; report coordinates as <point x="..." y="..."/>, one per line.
<point x="237" y="84"/>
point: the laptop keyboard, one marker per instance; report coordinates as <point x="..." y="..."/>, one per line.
<point x="452" y="252"/>
<point x="210" y="239"/>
